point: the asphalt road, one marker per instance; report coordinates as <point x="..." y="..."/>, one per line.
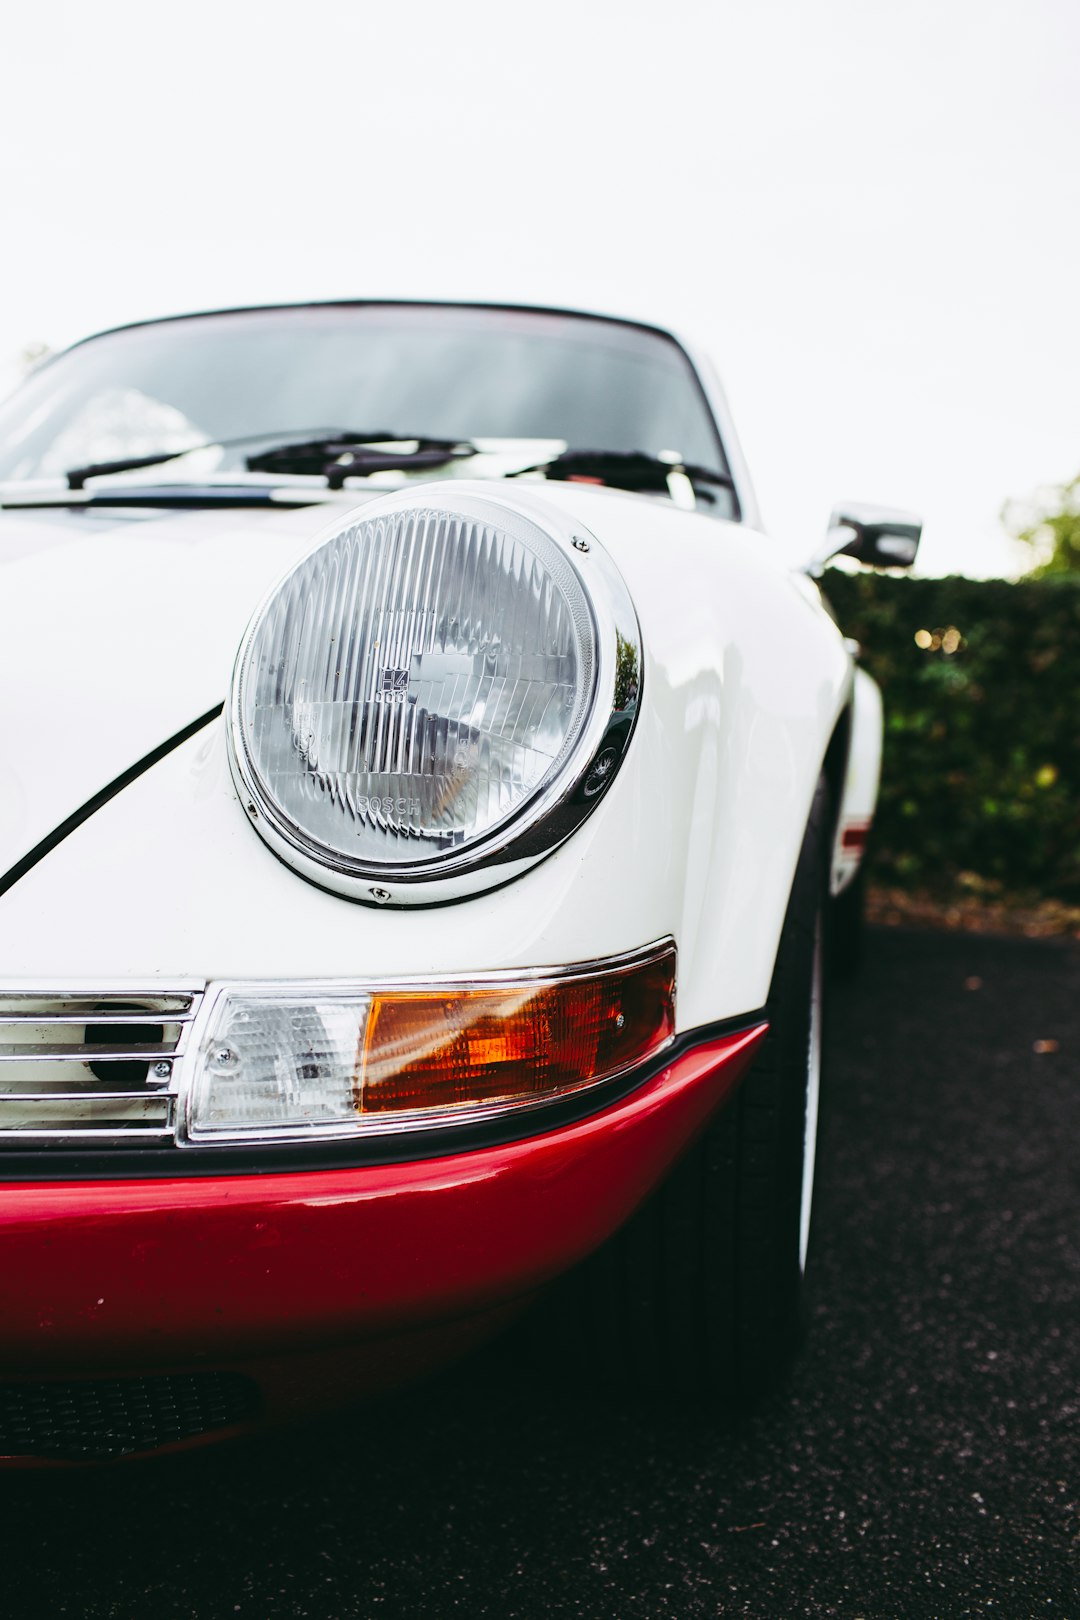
<point x="921" y="1463"/>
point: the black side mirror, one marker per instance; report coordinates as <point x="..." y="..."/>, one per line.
<point x="874" y="535"/>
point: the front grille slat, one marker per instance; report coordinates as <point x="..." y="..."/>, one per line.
<point x="131" y="1008"/>
<point x="22" y="1020"/>
<point x="59" y="1079"/>
<point x="42" y="1112"/>
<point x="81" y="1066"/>
<point x="87" y="1053"/>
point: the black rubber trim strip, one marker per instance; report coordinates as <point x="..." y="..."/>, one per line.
<point x="85" y="811"/>
<point x="146" y="1164"/>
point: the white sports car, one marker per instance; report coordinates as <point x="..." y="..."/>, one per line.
<point x="339" y="1010"/>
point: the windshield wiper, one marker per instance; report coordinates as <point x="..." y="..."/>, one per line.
<point x="355" y="455"/>
<point x="77" y="476"/>
<point x="337" y="454"/>
<point x="629" y="469"/>
<point x="196" y="497"/>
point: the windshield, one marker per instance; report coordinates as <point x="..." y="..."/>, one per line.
<point x="427" y="371"/>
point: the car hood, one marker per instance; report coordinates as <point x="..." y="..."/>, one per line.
<point x="118" y="628"/>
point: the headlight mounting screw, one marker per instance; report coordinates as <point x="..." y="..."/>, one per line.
<point x="380" y="896"/>
<point x="579" y="543"/>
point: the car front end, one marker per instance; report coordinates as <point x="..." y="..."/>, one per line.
<point x="347" y="1002"/>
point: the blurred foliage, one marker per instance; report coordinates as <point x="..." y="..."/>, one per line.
<point x="1050" y="524"/>
<point x="981" y="774"/>
<point x="626" y="672"/>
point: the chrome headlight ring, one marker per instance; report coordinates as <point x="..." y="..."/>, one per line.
<point x="352" y="616"/>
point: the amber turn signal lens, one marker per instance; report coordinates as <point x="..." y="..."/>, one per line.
<point x="496" y="1045"/>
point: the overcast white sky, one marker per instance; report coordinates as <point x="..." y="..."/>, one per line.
<point x="868" y="212"/>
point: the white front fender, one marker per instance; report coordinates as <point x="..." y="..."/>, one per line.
<point x="745" y="679"/>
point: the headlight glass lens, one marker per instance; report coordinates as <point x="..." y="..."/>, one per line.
<point x="418" y="678"/>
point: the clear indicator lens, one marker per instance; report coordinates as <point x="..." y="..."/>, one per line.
<point x="276" y="1061"/>
<point x="415" y="682"/>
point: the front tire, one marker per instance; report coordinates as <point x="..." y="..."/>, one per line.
<point x="702" y="1292"/>
<point x="848" y="928"/>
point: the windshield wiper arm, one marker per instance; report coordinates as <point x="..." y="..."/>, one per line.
<point x="626" y="469"/>
<point x="77" y="476"/>
<point x="181" y="496"/>
<point x="355" y="455"/>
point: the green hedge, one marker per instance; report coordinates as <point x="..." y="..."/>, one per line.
<point x="981" y="775"/>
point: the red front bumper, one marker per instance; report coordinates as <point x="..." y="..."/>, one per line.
<point x="259" y="1270"/>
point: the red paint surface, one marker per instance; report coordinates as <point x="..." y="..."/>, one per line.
<point x="854" y="836"/>
<point x="244" y="1270"/>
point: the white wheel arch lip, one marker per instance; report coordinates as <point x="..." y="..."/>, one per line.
<point x="862" y="778"/>
<point x="813" y="1087"/>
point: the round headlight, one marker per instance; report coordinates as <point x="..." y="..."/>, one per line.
<point x="427" y="692"/>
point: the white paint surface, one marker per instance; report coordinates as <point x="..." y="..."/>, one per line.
<point x="745" y="676"/>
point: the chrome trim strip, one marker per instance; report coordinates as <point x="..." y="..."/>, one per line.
<point x="438" y="982"/>
<point x="91" y="992"/>
<point x="105" y="1136"/>
<point x="136" y="1052"/>
<point x="144" y="1015"/>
